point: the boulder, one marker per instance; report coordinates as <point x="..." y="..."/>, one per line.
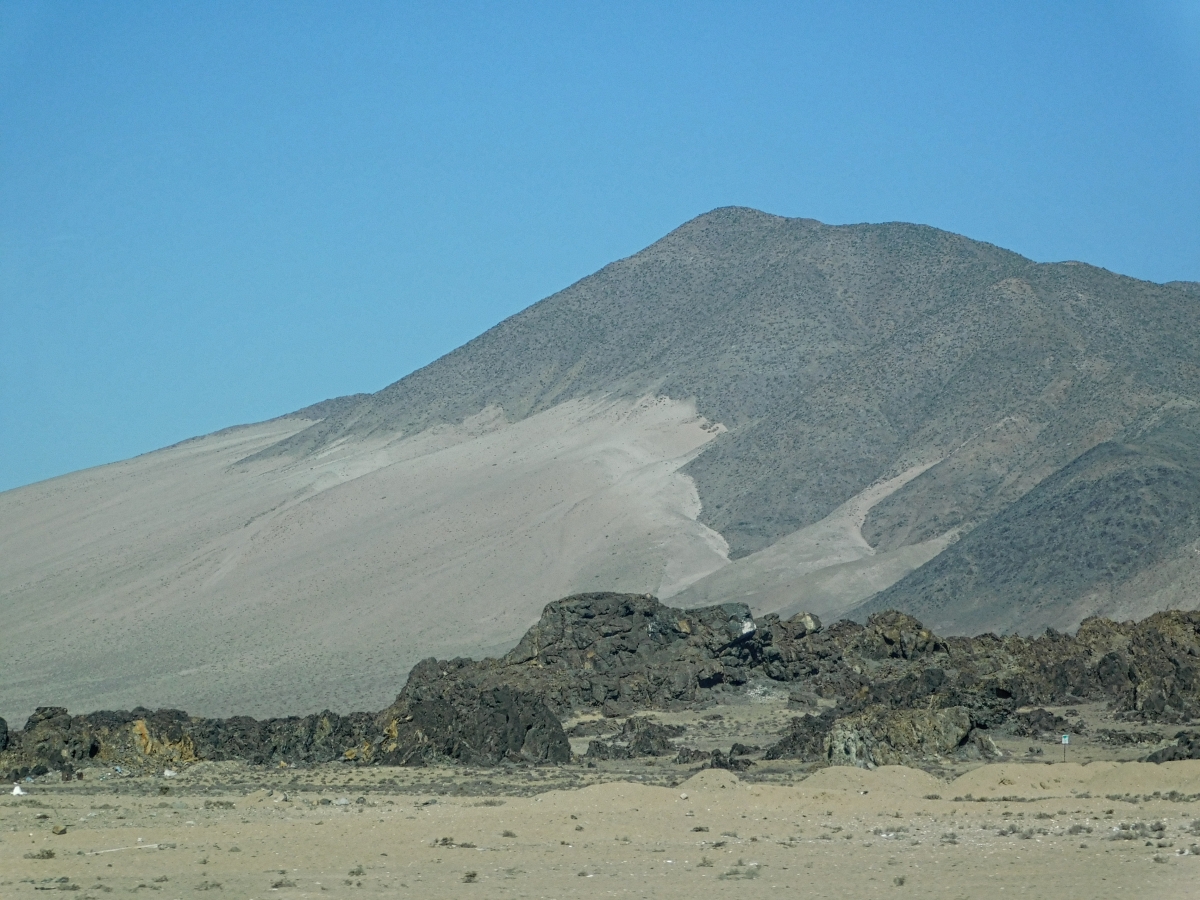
<point x="454" y="719"/>
<point x="1186" y="746"/>
<point x="638" y="736"/>
<point x="897" y="737"/>
<point x="805" y="739"/>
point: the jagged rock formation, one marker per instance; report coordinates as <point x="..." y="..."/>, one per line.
<point x="899" y="690"/>
<point x="450" y="722"/>
<point x="618" y="652"/>
<point x="638" y="736"/>
<point x="947" y="697"/>
<point x="899" y="693"/>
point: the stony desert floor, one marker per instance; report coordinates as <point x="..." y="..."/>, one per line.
<point x="1019" y="829"/>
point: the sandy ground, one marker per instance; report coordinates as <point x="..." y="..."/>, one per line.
<point x="1038" y="830"/>
<point x="182" y="579"/>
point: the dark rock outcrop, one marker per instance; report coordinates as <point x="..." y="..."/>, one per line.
<point x="618" y="652"/>
<point x="454" y="724"/>
<point x="1038" y="722"/>
<point x="638" y="736"/>
<point x="688" y="756"/>
<point x="728" y="761"/>
<point x="1186" y="746"/>
<point x="713" y="759"/>
<point x="881" y="674"/>
<point x="439" y="716"/>
<point x="805" y="738"/>
<point x="141" y="738"/>
<point x="886" y="691"/>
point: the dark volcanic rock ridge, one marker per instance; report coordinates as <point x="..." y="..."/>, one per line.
<point x="887" y="691"/>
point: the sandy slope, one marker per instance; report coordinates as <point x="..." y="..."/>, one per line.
<point x="893" y="832"/>
<point x="182" y="578"/>
<point x="824" y="568"/>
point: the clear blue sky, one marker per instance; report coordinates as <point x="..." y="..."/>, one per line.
<point x="214" y="213"/>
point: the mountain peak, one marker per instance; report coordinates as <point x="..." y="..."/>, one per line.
<point x="754" y="408"/>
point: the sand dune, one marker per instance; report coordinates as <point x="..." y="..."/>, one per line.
<point x="183" y="578"/>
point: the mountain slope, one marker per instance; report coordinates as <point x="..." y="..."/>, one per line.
<point x="1080" y="543"/>
<point x="759" y="408"/>
<point x="834" y="355"/>
<point x="183" y="578"/>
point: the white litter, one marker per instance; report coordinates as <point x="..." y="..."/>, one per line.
<point x="169" y="773"/>
<point x="137" y="847"/>
<point x="17" y="792"/>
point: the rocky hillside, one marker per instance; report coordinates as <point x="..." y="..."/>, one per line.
<point x="1115" y="528"/>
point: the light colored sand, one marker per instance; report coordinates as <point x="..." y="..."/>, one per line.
<point x="825" y="568"/>
<point x="181" y="579"/>
<point x="841" y="833"/>
<point x="1052" y="779"/>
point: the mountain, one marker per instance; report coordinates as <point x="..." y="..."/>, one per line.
<point x="754" y="408"/>
<point x="1116" y="530"/>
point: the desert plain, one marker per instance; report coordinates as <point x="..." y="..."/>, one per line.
<point x="1031" y="826"/>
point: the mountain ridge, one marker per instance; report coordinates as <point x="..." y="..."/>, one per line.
<point x="696" y="417"/>
<point x="541" y="370"/>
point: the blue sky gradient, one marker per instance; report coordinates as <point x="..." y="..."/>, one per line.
<point x="214" y="213"/>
